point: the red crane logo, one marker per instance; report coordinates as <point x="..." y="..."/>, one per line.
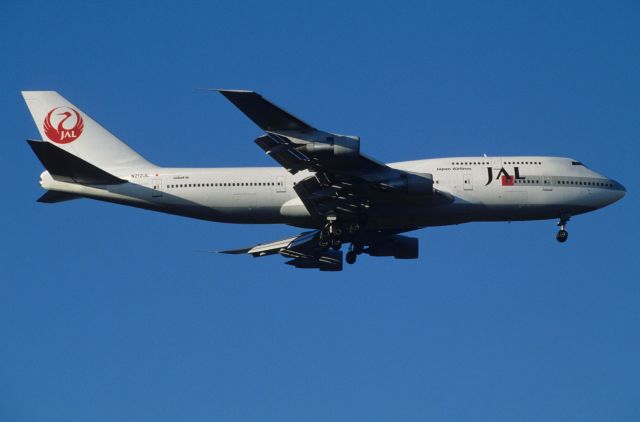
<point x="61" y="130"/>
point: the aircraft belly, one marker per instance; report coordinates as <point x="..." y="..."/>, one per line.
<point x="250" y="208"/>
<point x="506" y="205"/>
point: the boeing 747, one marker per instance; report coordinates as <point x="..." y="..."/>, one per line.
<point x="324" y="184"/>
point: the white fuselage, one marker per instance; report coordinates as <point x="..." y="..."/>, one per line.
<point x="483" y="189"/>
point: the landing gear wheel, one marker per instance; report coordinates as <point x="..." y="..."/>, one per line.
<point x="351" y="257"/>
<point x="562" y="236"/>
<point x="336" y="244"/>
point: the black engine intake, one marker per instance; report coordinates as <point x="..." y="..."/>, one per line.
<point x="397" y="246"/>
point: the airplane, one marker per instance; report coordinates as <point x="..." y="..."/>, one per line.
<point x="324" y="185"/>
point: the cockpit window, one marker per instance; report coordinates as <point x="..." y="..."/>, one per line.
<point x="577" y="163"/>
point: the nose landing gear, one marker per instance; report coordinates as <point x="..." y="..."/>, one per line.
<point x="563" y="235"/>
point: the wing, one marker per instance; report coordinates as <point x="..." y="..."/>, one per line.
<point x="302" y="249"/>
<point x="296" y="145"/>
<point x="305" y="252"/>
<point x="263" y="113"/>
<point x="344" y="183"/>
<point x="344" y="191"/>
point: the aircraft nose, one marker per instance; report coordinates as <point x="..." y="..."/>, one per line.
<point x="620" y="191"/>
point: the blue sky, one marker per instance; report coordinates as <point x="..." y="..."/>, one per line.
<point x="109" y="313"/>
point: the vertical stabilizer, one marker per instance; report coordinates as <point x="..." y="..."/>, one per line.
<point x="69" y="128"/>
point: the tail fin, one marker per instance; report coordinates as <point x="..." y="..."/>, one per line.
<point x="63" y="124"/>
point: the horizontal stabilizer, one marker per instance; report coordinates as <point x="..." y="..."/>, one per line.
<point x="66" y="167"/>
<point x="53" y="197"/>
<point x="268" y="116"/>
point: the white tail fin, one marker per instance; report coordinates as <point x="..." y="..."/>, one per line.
<point x="67" y="127"/>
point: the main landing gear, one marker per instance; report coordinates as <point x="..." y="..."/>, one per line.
<point x="333" y="234"/>
<point x="563" y="235"/>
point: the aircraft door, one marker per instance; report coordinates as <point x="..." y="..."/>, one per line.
<point x="467" y="182"/>
<point x="157" y="188"/>
<point x="281" y="184"/>
<point x="546" y="183"/>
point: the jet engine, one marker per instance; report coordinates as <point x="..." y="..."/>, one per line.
<point x="397" y="246"/>
<point x="328" y="260"/>
<point x="412" y="183"/>
<point x="336" y="146"/>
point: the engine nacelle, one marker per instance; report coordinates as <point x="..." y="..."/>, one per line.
<point x="330" y="260"/>
<point x="397" y="246"/>
<point x="412" y="183"/>
<point x="335" y="146"/>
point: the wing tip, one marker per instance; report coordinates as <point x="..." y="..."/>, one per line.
<point x="225" y="91"/>
<point x="234" y="95"/>
<point x="236" y="91"/>
<point x="235" y="251"/>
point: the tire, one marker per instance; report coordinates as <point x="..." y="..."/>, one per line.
<point x="351" y="257"/>
<point x="562" y="236"/>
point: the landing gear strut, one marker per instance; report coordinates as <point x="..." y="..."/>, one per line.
<point x="331" y="234"/>
<point x="563" y="235"/>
